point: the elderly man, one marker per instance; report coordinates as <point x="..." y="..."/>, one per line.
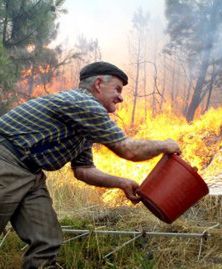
<point x="46" y="133"/>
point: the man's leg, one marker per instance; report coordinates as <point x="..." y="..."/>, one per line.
<point x="15" y="182"/>
<point x="36" y="223"/>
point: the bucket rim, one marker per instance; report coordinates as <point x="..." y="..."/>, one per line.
<point x="156" y="210"/>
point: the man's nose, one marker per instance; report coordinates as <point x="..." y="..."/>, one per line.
<point x="120" y="98"/>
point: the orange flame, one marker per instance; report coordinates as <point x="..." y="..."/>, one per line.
<point x="199" y="141"/>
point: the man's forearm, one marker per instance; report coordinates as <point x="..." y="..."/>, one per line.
<point x="141" y="150"/>
<point x="95" y="177"/>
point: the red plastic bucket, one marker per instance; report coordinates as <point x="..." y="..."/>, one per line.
<point x="171" y="188"/>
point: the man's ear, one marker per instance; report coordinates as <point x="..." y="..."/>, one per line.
<point x="97" y="84"/>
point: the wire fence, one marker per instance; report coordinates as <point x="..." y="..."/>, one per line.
<point x="203" y="236"/>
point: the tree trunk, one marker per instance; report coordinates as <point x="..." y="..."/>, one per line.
<point x="211" y="30"/>
<point x="164" y="81"/>
<point x="210" y="89"/>
<point x="196" y="98"/>
<point x="154" y="109"/>
<point x="135" y="93"/>
<point x="136" y="84"/>
<point x="187" y="96"/>
<point x="173" y="84"/>
<point x="31" y="81"/>
<point x="177" y="84"/>
<point x="144" y="91"/>
<point x="5" y="25"/>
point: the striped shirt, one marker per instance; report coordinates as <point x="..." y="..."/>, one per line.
<point x="60" y="128"/>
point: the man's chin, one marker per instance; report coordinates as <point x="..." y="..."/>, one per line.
<point x="111" y="109"/>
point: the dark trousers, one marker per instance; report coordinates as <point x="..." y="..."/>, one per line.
<point x="25" y="202"/>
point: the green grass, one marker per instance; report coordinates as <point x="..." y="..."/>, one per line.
<point x="144" y="253"/>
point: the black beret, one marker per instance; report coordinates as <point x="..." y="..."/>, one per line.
<point x="103" y="68"/>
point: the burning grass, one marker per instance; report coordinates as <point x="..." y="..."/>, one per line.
<point x="200" y="143"/>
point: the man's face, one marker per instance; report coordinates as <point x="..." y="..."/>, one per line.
<point x="110" y="93"/>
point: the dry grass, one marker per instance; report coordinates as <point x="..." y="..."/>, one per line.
<point x="82" y="202"/>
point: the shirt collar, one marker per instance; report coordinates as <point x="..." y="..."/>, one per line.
<point x="86" y="91"/>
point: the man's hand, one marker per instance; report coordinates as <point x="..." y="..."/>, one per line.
<point x="171" y="147"/>
<point x="130" y="188"/>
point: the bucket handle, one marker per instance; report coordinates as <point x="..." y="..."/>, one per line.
<point x="178" y="154"/>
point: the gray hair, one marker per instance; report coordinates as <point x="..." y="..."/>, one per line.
<point x="88" y="82"/>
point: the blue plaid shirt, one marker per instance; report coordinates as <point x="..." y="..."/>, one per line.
<point x="60" y="128"/>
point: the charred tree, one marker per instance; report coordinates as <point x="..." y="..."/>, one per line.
<point x="138" y="53"/>
<point x="195" y="28"/>
<point x="196" y="98"/>
<point x="164" y="81"/>
<point x="136" y="86"/>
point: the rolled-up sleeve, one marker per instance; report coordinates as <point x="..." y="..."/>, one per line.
<point x="93" y="122"/>
<point x="99" y="128"/>
<point x="85" y="158"/>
